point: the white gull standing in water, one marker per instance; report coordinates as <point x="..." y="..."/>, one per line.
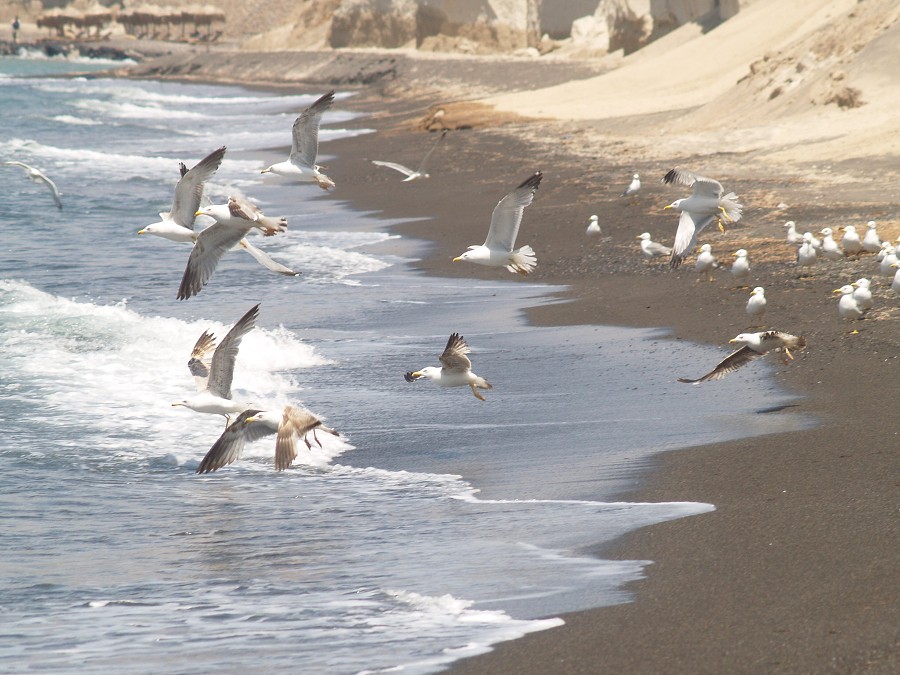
<point x="497" y="249"/>
<point x="301" y="164"/>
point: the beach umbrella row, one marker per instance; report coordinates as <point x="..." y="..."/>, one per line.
<point x="141" y="21"/>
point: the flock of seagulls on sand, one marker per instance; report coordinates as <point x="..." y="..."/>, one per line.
<point x="212" y="364"/>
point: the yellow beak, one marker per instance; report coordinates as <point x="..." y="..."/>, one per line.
<point x="198" y="213"/>
<point x="141" y="232"/>
<point x="457" y="259"/>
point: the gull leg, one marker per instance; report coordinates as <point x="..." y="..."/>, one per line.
<point x="475" y="391"/>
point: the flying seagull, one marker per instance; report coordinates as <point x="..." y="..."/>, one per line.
<point x="753" y="346"/>
<point x="213" y="375"/>
<point x="698" y="210"/>
<point x="178" y="224"/>
<point x="38" y="176"/>
<point x="293" y="423"/>
<point x="410" y="173"/>
<point x="301" y="165"/>
<point x="234" y="221"/>
<point x="497" y="249"/>
<point x="455" y="370"/>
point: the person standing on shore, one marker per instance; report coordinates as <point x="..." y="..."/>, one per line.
<point x="15" y="29"/>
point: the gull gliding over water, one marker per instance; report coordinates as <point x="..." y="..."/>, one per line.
<point x="291" y="424"/>
<point x="213" y="376"/>
<point x="497" y="249"/>
<point x="455" y="370"/>
<point x="706" y="204"/>
<point x="38" y="176"/>
<point x="234" y="221"/>
<point x="413" y="174"/>
<point x="301" y="164"/>
<point x="754" y="345"/>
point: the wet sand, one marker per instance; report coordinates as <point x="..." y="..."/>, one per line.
<point x="796" y="569"/>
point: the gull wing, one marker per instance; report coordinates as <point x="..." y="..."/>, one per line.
<point x="454" y="357"/>
<point x="209" y="248"/>
<point x="658" y="249"/>
<point x="396" y="167"/>
<point x="431" y="150"/>
<point x="507" y="214"/>
<point x="264" y="260"/>
<point x="729" y="364"/>
<point x="244" y="209"/>
<point x="189" y="190"/>
<point x="221" y="369"/>
<point x="305" y="132"/>
<point x="38" y="176"/>
<point x="230" y="444"/>
<point x="295" y="423"/>
<point x="198" y="363"/>
<point x="703" y="187"/>
<point x="689" y="228"/>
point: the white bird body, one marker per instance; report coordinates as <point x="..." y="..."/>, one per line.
<point x="882" y="251"/>
<point x="455" y="370"/>
<point x="871" y="242"/>
<point x="806" y="254"/>
<point x="707" y="203"/>
<point x="593" y="228"/>
<point x="413" y="174"/>
<point x="890" y="257"/>
<point x="756" y="305"/>
<point x="651" y="249"/>
<point x="848" y="307"/>
<point x="706" y="262"/>
<point x="895" y="282"/>
<point x="850" y="242"/>
<point x="633" y="186"/>
<point x="740" y="268"/>
<point x="753" y="346"/>
<point x="301" y="164"/>
<point x="862" y="293"/>
<point x="497" y="249"/>
<point x="213" y="377"/>
<point x="793" y="236"/>
<point x="38" y="176"/>
<point x="830" y="248"/>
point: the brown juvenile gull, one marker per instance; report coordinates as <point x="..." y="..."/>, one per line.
<point x="293" y="423"/>
<point x="301" y="164"/>
<point x="234" y="221"/>
<point x="413" y="174"/>
<point x="497" y="249"/>
<point x="698" y="210"/>
<point x="213" y="376"/>
<point x="38" y="176"/>
<point x="455" y="370"/>
<point x="754" y="345"/>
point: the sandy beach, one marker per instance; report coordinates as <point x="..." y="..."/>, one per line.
<point x="796" y="570"/>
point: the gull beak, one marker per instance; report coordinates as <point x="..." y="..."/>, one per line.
<point x="264" y="171"/>
<point x="732" y="340"/>
<point x="252" y="418"/>
<point x="837" y="290"/>
<point x="412" y="376"/>
<point x="198" y="213"/>
<point x="142" y="231"/>
<point x="457" y="259"/>
<point x="855" y="285"/>
<point x="667" y="207"/>
<point x="896" y="264"/>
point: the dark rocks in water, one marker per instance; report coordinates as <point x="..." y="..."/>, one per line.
<point x="53" y="48"/>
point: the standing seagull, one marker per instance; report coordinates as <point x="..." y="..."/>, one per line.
<point x="633" y="186"/>
<point x="593" y="228"/>
<point x="706" y="262"/>
<point x="497" y="249"/>
<point x="850" y="242"/>
<point x="806" y="254"/>
<point x="38" y="176"/>
<point x="291" y="424"/>
<point x="740" y="268"/>
<point x="754" y="345"/>
<point x="301" y="165"/>
<point x="410" y="173"/>
<point x="830" y="248"/>
<point x="871" y="242"/>
<point x="848" y="307"/>
<point x="793" y="236"/>
<point x="698" y="210"/>
<point x="213" y="376"/>
<point x="756" y="305"/>
<point x="455" y="371"/>
<point x="863" y="294"/>
<point x="651" y="249"/>
<point x="233" y="222"/>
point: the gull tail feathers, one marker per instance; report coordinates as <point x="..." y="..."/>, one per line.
<point x="732" y="207"/>
<point x="271" y="226"/>
<point x="523" y="260"/>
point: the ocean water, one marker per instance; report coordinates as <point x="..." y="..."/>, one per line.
<point x="436" y="526"/>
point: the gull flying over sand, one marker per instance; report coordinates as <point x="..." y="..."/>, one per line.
<point x="753" y="346"/>
<point x="455" y="370"/>
<point x="290" y="424"/>
<point x="213" y="375"/>
<point x="234" y="221"/>
<point x="413" y="174"/>
<point x="301" y="164"/>
<point x="178" y="224"/>
<point x="38" y="176"/>
<point x="697" y="211"/>
<point x="497" y="249"/>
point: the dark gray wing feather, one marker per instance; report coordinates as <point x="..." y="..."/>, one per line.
<point x="221" y="369"/>
<point x="729" y="364"/>
<point x="230" y="445"/>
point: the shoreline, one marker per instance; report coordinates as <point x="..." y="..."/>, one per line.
<point x="794" y="570"/>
